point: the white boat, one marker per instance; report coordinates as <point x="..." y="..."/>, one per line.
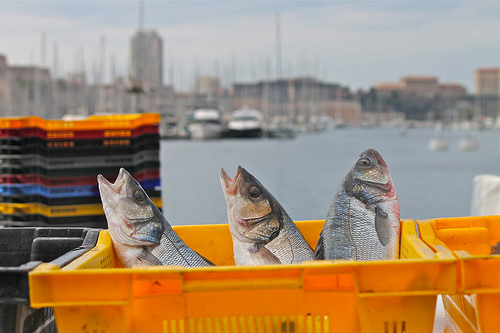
<point x="468" y="144"/>
<point x="205" y="124"/>
<point x="245" y="123"/>
<point x="438" y="144"/>
<point x="280" y="128"/>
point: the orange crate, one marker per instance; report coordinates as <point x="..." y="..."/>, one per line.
<point x="95" y="122"/>
<point x="121" y="121"/>
<point x="476" y="308"/>
<point x="32" y="121"/>
<point x="93" y="293"/>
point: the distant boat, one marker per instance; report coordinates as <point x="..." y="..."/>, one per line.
<point x="205" y="124"/>
<point x="281" y="129"/>
<point x="245" y="123"/>
<point x="468" y="144"/>
<point x="438" y="144"/>
<point x="285" y="132"/>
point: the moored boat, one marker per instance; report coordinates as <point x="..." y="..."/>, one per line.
<point x="205" y="124"/>
<point x="245" y="122"/>
<point x="438" y="144"/>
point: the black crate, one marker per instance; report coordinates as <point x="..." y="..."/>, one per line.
<point x="21" y="250"/>
<point x="81" y="172"/>
<point x="87" y="143"/>
<point x="90" y="151"/>
<point x="37" y="160"/>
<point x="37" y="220"/>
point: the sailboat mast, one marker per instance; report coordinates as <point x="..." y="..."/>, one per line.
<point x="278" y="65"/>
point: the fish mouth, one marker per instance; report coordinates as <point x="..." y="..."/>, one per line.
<point x="230" y="184"/>
<point x="375" y="155"/>
<point x="384" y="187"/>
<point x="107" y="189"/>
<point x="251" y="221"/>
<point x="121" y="180"/>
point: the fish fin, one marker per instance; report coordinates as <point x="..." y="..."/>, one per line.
<point x="319" y="253"/>
<point x="148" y="258"/>
<point x="382" y="226"/>
<point x="263" y="255"/>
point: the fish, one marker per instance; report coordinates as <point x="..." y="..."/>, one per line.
<point x="140" y="233"/>
<point x="495" y="249"/>
<point x="362" y="223"/>
<point x="261" y="230"/>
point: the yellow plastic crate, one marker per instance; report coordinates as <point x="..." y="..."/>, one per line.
<point x="93" y="294"/>
<point x="476" y="308"/>
<point x="21" y="122"/>
<point x="95" y="122"/>
<point x="58" y="211"/>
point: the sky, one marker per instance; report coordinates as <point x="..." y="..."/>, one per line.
<point x="353" y="43"/>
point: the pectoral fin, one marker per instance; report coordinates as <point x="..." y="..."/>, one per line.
<point x="263" y="256"/>
<point x="382" y="226"/>
<point x="148" y="259"/>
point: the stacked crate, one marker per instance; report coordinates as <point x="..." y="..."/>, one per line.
<point x="49" y="168"/>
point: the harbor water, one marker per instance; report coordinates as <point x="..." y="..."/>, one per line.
<point x="303" y="173"/>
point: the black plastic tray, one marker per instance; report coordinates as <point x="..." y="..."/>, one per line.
<point x="21" y="250"/>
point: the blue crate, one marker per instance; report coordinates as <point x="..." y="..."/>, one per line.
<point x="64" y="191"/>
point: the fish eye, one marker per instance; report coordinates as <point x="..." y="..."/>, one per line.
<point x="139" y="196"/>
<point x="255" y="192"/>
<point x="364" y="163"/>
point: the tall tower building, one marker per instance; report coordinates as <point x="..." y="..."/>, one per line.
<point x="146" y="62"/>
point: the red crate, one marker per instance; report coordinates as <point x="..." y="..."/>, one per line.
<point x="71" y="181"/>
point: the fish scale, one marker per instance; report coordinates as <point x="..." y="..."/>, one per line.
<point x="290" y="246"/>
<point x="172" y="251"/>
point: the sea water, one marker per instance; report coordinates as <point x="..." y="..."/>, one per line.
<point x="303" y="173"/>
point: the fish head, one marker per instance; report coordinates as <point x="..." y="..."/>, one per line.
<point x="253" y="213"/>
<point x="133" y="219"/>
<point x="369" y="176"/>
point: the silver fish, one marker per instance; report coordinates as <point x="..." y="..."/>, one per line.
<point x="141" y="235"/>
<point x="261" y="230"/>
<point x="495" y="249"/>
<point x="363" y="219"/>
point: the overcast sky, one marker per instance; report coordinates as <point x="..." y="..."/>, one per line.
<point x="354" y="43"/>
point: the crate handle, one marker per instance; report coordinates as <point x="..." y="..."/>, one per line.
<point x="89" y="242"/>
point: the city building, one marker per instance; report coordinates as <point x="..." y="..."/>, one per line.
<point x="422" y="86"/>
<point x="146" y="59"/>
<point x="387" y="89"/>
<point x="25" y="90"/>
<point x="452" y="90"/>
<point x="344" y="112"/>
<point x="4" y="86"/>
<point x="207" y="91"/>
<point x="487" y="86"/>
<point x="426" y="86"/>
<point x="297" y="99"/>
<point x="487" y="81"/>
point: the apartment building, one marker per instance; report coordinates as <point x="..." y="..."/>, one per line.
<point x="422" y="86"/>
<point x="487" y="86"/>
<point x="487" y="81"/>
